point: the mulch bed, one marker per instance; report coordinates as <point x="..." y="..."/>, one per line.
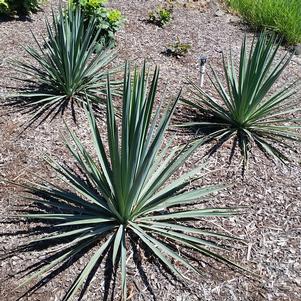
<point x="271" y="224"/>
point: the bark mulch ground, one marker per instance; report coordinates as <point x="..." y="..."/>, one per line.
<point x="271" y="224"/>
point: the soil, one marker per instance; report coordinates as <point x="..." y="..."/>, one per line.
<point x="270" y="192"/>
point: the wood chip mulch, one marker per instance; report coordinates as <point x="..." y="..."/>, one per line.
<point x="271" y="223"/>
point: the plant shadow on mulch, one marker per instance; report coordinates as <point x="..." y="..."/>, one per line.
<point x="206" y="132"/>
<point x="38" y="114"/>
<point x="19" y="17"/>
<point x="110" y="271"/>
<point x="47" y="228"/>
<point x="233" y="143"/>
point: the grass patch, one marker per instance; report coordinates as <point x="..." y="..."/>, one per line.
<point x="282" y="16"/>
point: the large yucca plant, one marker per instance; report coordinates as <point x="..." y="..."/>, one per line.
<point x="66" y="69"/>
<point x="126" y="191"/>
<point x="248" y="109"/>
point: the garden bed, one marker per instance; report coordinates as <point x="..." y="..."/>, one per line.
<point x="271" y="224"/>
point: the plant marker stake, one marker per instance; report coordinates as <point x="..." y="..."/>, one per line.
<point x="203" y="61"/>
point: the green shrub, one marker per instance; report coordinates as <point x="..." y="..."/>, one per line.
<point x="161" y="15"/>
<point x="125" y="194"/>
<point x="282" y="16"/>
<point x="20" y="7"/>
<point x="247" y="110"/>
<point x="67" y="70"/>
<point x="108" y="21"/>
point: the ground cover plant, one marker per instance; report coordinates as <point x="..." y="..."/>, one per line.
<point x="107" y="20"/>
<point x="20" y="7"/>
<point x="68" y="70"/>
<point x="177" y="49"/>
<point x="161" y="16"/>
<point x="249" y="113"/>
<point x="126" y="193"/>
<point x="281" y="16"/>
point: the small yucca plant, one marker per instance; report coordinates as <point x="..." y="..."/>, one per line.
<point x="246" y="110"/>
<point x="67" y="69"/>
<point x="126" y="192"/>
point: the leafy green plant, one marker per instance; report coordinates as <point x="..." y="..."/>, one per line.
<point x="281" y="16"/>
<point x="247" y="110"/>
<point x="126" y="192"/>
<point x="3" y="7"/>
<point x="67" y="70"/>
<point x="161" y="15"/>
<point x="177" y="49"/>
<point x="108" y="21"/>
<point x="91" y="5"/>
<point x="21" y="7"/>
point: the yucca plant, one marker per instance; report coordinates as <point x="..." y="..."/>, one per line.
<point x="66" y="69"/>
<point x="248" y="109"/>
<point x="126" y="192"/>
